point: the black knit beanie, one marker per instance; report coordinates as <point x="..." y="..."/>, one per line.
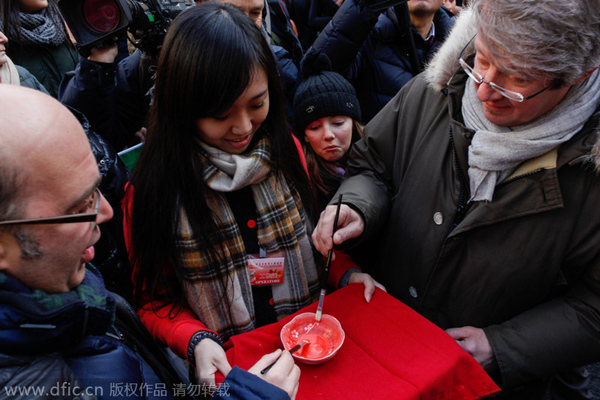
<point x="322" y="93"/>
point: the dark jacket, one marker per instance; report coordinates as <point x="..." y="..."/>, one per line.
<point x="66" y="343"/>
<point x="48" y="64"/>
<point x="111" y="95"/>
<point x="525" y="267"/>
<point x="281" y="31"/>
<point x="28" y="80"/>
<point x="311" y="17"/>
<point x="74" y="350"/>
<point x="111" y="254"/>
<point x="286" y="47"/>
<point x="372" y="51"/>
<point x="319" y="15"/>
<point x="288" y="77"/>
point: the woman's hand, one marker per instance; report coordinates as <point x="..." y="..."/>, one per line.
<point x="284" y="374"/>
<point x="368" y="281"/>
<point x="210" y="358"/>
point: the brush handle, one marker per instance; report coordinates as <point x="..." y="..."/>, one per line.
<point x="325" y="275"/>
<point x="337" y="214"/>
<point x="292" y="351"/>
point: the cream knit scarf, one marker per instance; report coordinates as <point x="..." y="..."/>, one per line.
<point x="9" y="74"/>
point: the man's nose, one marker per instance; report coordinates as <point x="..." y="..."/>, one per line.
<point x="485" y="92"/>
<point x="105" y="212"/>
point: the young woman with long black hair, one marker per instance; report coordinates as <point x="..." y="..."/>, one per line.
<point x="219" y="184"/>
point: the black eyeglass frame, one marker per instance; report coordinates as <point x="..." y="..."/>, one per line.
<point x="477" y="77"/>
<point x="62" y="219"/>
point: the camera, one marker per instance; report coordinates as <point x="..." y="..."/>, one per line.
<point x="101" y="23"/>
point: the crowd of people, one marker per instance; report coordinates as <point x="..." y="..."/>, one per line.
<point x="463" y="137"/>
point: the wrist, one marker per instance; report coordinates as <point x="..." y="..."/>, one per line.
<point x="196" y="338"/>
<point x="346" y="277"/>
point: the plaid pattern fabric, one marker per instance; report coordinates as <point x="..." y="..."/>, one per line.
<point x="281" y="226"/>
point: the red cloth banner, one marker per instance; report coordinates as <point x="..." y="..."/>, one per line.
<point x="390" y="352"/>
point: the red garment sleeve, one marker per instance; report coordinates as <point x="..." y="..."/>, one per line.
<point x="342" y="263"/>
<point x="168" y="323"/>
<point x="176" y="332"/>
<point x="301" y="154"/>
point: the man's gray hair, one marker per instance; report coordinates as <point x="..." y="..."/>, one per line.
<point x="11" y="178"/>
<point x="536" y="39"/>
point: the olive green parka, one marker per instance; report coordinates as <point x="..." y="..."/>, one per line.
<point x="525" y="267"/>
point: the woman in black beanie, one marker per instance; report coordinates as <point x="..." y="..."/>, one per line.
<point x="326" y="120"/>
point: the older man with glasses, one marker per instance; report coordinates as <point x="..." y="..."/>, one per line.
<point x="62" y="333"/>
<point x="478" y="189"/>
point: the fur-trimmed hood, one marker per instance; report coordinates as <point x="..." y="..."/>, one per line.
<point x="594" y="155"/>
<point x="444" y="64"/>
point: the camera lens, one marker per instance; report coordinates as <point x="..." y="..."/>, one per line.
<point x="101" y="15"/>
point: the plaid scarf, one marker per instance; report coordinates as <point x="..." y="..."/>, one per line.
<point x="281" y="226"/>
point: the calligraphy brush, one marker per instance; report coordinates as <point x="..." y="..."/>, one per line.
<point x="292" y="351"/>
<point x="328" y="264"/>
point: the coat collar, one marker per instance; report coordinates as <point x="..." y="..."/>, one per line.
<point x="34" y="322"/>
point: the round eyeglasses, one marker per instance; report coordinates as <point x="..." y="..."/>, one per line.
<point x="478" y="78"/>
<point x="96" y="199"/>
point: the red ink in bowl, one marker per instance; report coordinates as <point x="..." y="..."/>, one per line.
<point x="324" y="337"/>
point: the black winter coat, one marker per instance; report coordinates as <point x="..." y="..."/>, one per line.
<point x="48" y="64"/>
<point x="372" y="51"/>
<point x="112" y="96"/>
